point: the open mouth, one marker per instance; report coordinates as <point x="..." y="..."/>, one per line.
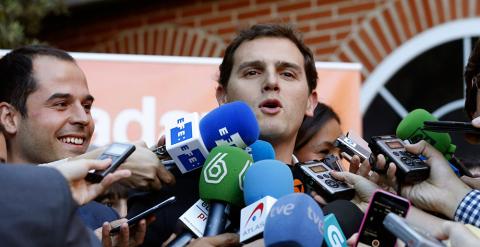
<point x="72" y="140"/>
<point x="270" y="106"/>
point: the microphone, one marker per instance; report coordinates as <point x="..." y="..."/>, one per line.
<point x="294" y="220"/>
<point x="261" y="150"/>
<point x="334" y="236"/>
<point x="267" y="178"/>
<point x="264" y="182"/>
<point x="194" y="222"/>
<point x="411" y="128"/>
<point x="232" y="124"/>
<point x="342" y="220"/>
<point x="198" y="216"/>
<point x="221" y="184"/>
<point x="189" y="139"/>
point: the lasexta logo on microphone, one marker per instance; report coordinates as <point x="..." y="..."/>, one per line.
<point x="216" y="169"/>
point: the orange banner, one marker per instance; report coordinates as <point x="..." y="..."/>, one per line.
<point x="136" y="95"/>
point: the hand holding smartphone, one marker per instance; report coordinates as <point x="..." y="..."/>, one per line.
<point x="135" y="219"/>
<point x="118" y="152"/>
<point x="372" y="233"/>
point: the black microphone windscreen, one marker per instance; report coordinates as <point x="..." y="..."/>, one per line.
<point x="349" y="216"/>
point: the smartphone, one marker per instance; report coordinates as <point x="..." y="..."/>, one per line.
<point x="413" y="237"/>
<point x="410" y="167"/>
<point x="372" y="233"/>
<point x="118" y="152"/>
<point x="135" y="219"/>
<point x="450" y="126"/>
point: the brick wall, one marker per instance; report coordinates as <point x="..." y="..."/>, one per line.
<point x="362" y="31"/>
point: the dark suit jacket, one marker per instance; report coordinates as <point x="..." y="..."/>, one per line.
<point x="37" y="209"/>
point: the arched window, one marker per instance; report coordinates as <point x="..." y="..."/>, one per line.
<point x="425" y="72"/>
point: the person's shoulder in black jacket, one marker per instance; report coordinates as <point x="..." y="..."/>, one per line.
<point x="37" y="209"/>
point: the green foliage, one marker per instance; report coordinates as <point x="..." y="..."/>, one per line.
<point x="20" y="20"/>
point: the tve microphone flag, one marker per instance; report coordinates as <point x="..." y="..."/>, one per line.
<point x="189" y="139"/>
<point x="294" y="220"/>
<point x="264" y="182"/>
<point x="221" y="184"/>
<point x="261" y="150"/>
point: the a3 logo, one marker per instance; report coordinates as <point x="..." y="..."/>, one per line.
<point x="253" y="216"/>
